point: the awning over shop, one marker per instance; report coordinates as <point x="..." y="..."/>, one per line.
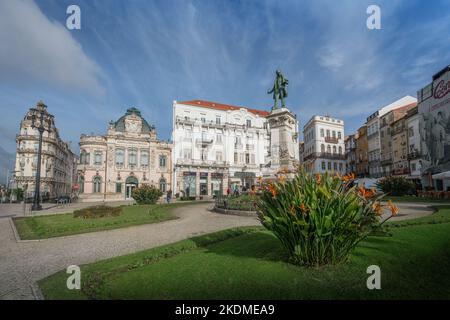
<point x="442" y="175"/>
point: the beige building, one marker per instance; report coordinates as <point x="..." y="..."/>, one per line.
<point x="57" y="161"/>
<point x="399" y="134"/>
<point x="362" y="163"/>
<point x="128" y="156"/>
<point x="386" y="141"/>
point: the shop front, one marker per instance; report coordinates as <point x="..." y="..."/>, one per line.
<point x="247" y="179"/>
<point x="216" y="184"/>
<point x="189" y="184"/>
<point x="203" y="183"/>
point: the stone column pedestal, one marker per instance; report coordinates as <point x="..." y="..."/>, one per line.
<point x="284" y="152"/>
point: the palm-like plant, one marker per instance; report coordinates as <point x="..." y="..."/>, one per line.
<point x="319" y="219"/>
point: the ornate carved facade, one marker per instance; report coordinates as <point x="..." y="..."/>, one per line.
<point x="129" y="155"/>
<point x="58" y="162"/>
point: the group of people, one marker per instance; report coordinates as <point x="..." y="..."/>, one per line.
<point x="237" y="190"/>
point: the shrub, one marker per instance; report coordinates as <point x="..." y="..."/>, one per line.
<point x="146" y="194"/>
<point x="396" y="185"/>
<point x="245" y="202"/>
<point x="97" y="212"/>
<point x="319" y="219"/>
<point x="187" y="198"/>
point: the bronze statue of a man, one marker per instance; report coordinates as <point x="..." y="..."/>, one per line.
<point x="279" y="90"/>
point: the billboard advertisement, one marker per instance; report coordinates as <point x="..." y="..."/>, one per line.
<point x="434" y="112"/>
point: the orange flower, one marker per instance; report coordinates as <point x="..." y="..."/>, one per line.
<point x="272" y="190"/>
<point x="303" y="208"/>
<point x="378" y="208"/>
<point x="394" y="209"/>
<point x="365" y="193"/>
<point x="348" y="177"/>
<point x="282" y="178"/>
<point x="318" y="178"/>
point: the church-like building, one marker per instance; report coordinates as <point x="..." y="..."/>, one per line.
<point x="129" y="155"/>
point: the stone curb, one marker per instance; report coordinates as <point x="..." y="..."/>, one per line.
<point x="235" y="212"/>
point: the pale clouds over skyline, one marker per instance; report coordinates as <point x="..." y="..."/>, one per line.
<point x="148" y="53"/>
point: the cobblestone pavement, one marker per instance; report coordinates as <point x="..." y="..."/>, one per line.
<point x="23" y="263"/>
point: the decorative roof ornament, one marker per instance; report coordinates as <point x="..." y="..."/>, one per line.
<point x="41" y="105"/>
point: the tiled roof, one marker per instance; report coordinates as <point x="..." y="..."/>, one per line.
<point x="223" y="107"/>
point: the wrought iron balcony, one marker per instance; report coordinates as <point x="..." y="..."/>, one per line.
<point x="204" y="141"/>
<point x="331" y="139"/>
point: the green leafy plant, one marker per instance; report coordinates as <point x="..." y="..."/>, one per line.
<point x="396" y="185"/>
<point x="319" y="219"/>
<point x="146" y="194"/>
<point x="97" y="212"/>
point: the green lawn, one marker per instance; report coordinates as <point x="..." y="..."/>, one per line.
<point x="248" y="263"/>
<point x="415" y="199"/>
<point x="57" y="225"/>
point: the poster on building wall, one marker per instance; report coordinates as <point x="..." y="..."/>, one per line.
<point x="434" y="111"/>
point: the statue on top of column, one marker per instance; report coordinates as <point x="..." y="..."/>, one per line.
<point x="279" y="90"/>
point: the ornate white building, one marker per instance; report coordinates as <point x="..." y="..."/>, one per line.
<point x="324" y="146"/>
<point x="58" y="162"/>
<point x="217" y="146"/>
<point x="129" y="155"/>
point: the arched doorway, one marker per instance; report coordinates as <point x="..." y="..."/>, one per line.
<point x="130" y="184"/>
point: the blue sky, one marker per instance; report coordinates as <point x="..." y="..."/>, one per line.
<point x="148" y="53"/>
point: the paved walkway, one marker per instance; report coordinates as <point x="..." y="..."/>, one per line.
<point x="23" y="263"/>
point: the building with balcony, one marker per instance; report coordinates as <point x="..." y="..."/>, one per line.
<point x="128" y="156"/>
<point x="399" y="136"/>
<point x="217" y="146"/>
<point x="324" y="147"/>
<point x="350" y="153"/>
<point x="362" y="158"/>
<point x="57" y="161"/>
<point x="374" y="136"/>
<point x="414" y="150"/>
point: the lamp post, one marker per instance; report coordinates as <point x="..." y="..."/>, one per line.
<point x="43" y="116"/>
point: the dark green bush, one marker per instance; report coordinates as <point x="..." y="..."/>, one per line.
<point x="187" y="198"/>
<point x="396" y="186"/>
<point x="146" y="194"/>
<point x="97" y="212"/>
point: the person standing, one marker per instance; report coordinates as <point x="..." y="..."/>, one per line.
<point x="169" y="195"/>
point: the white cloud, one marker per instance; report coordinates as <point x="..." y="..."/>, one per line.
<point x="35" y="49"/>
<point x="331" y="57"/>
